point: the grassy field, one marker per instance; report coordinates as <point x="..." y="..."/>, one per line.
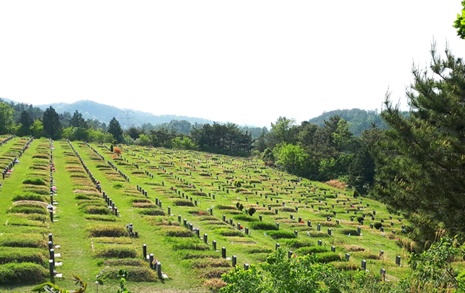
<point x="182" y="204"/>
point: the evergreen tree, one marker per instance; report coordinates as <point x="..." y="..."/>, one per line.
<point x="25" y="124"/>
<point x="114" y="128"/>
<point x="421" y="162"/>
<point x="51" y="123"/>
<point x="6" y="118"/>
<point x="77" y="120"/>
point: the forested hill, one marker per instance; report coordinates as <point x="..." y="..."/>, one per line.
<point x="358" y="119"/>
<point x="126" y="117"/>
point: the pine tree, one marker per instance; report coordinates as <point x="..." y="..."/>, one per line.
<point x="421" y="167"/>
<point x="51" y="122"/>
<point x="26" y="122"/>
<point x="114" y="128"/>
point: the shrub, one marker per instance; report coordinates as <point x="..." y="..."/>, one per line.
<point x="210" y="262"/>
<point x="326" y="257"/>
<point x="125" y="262"/>
<point x="19" y="221"/>
<point x="35" y="181"/>
<point x="254" y="250"/>
<point x="183" y="202"/>
<point x="178" y="232"/>
<point x="298" y="243"/>
<point x="116" y="251"/>
<point x="22" y="273"/>
<point x="30" y="196"/>
<point x="378" y="225"/>
<point x="225" y="207"/>
<point x="319" y="234"/>
<point x="84" y="197"/>
<point x="106" y="218"/>
<point x="227" y="232"/>
<point x="152" y="212"/>
<point x="23" y="209"/>
<point x="263" y="226"/>
<point x="107" y="231"/>
<point x="350" y="232"/>
<point x="311" y="250"/>
<point x="135" y="274"/>
<point x="144" y="205"/>
<point x="180" y="245"/>
<point x="252" y="211"/>
<point x="288" y="209"/>
<point x="96" y="210"/>
<point x="281" y="234"/>
<point x="32" y="255"/>
<point x="244" y="218"/>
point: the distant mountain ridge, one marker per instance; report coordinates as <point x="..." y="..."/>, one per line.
<point x="358" y="119"/>
<point x="126" y="117"/>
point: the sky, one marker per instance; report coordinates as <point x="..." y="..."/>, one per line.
<point x="246" y="62"/>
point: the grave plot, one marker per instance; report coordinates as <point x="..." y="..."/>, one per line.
<point x="287" y="201"/>
<point x="135" y="207"/>
<point x="167" y="230"/>
<point x="110" y="240"/>
<point x="24" y="253"/>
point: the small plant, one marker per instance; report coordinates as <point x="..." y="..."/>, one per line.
<point x="122" y="274"/>
<point x="252" y="211"/>
<point x="52" y="288"/>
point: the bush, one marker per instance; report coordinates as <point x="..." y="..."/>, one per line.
<point x="35" y="181"/>
<point x="230" y="233"/>
<point x="244" y="218"/>
<point x="135" y="274"/>
<point x="311" y="250"/>
<point x="31" y="196"/>
<point x="326" y="257"/>
<point x="22" y="273"/>
<point x="125" y="262"/>
<point x="183" y="202"/>
<point x="298" y="243"/>
<point x="181" y="245"/>
<point x="225" y="207"/>
<point x="23" y="209"/>
<point x="20" y="241"/>
<point x="106" y="218"/>
<point x="350" y="232"/>
<point x="108" y="231"/>
<point x="252" y="211"/>
<point x="144" y="205"/>
<point x="19" y="255"/>
<point x="178" y="232"/>
<point x="151" y="212"/>
<point x="96" y="210"/>
<point x="116" y="251"/>
<point x="263" y="226"/>
<point x="210" y="262"/>
<point x="281" y="234"/>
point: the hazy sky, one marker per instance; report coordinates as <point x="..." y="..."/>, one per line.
<point x="246" y="62"/>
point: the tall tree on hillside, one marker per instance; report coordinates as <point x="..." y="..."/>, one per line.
<point x="77" y="120"/>
<point x="51" y="123"/>
<point x="25" y="123"/>
<point x="6" y="118"/>
<point x="284" y="130"/>
<point x="421" y="166"/>
<point x="114" y="128"/>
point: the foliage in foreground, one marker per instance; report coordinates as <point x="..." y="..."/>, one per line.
<point x="432" y="272"/>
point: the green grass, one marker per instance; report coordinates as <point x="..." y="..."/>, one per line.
<point x="91" y="240"/>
